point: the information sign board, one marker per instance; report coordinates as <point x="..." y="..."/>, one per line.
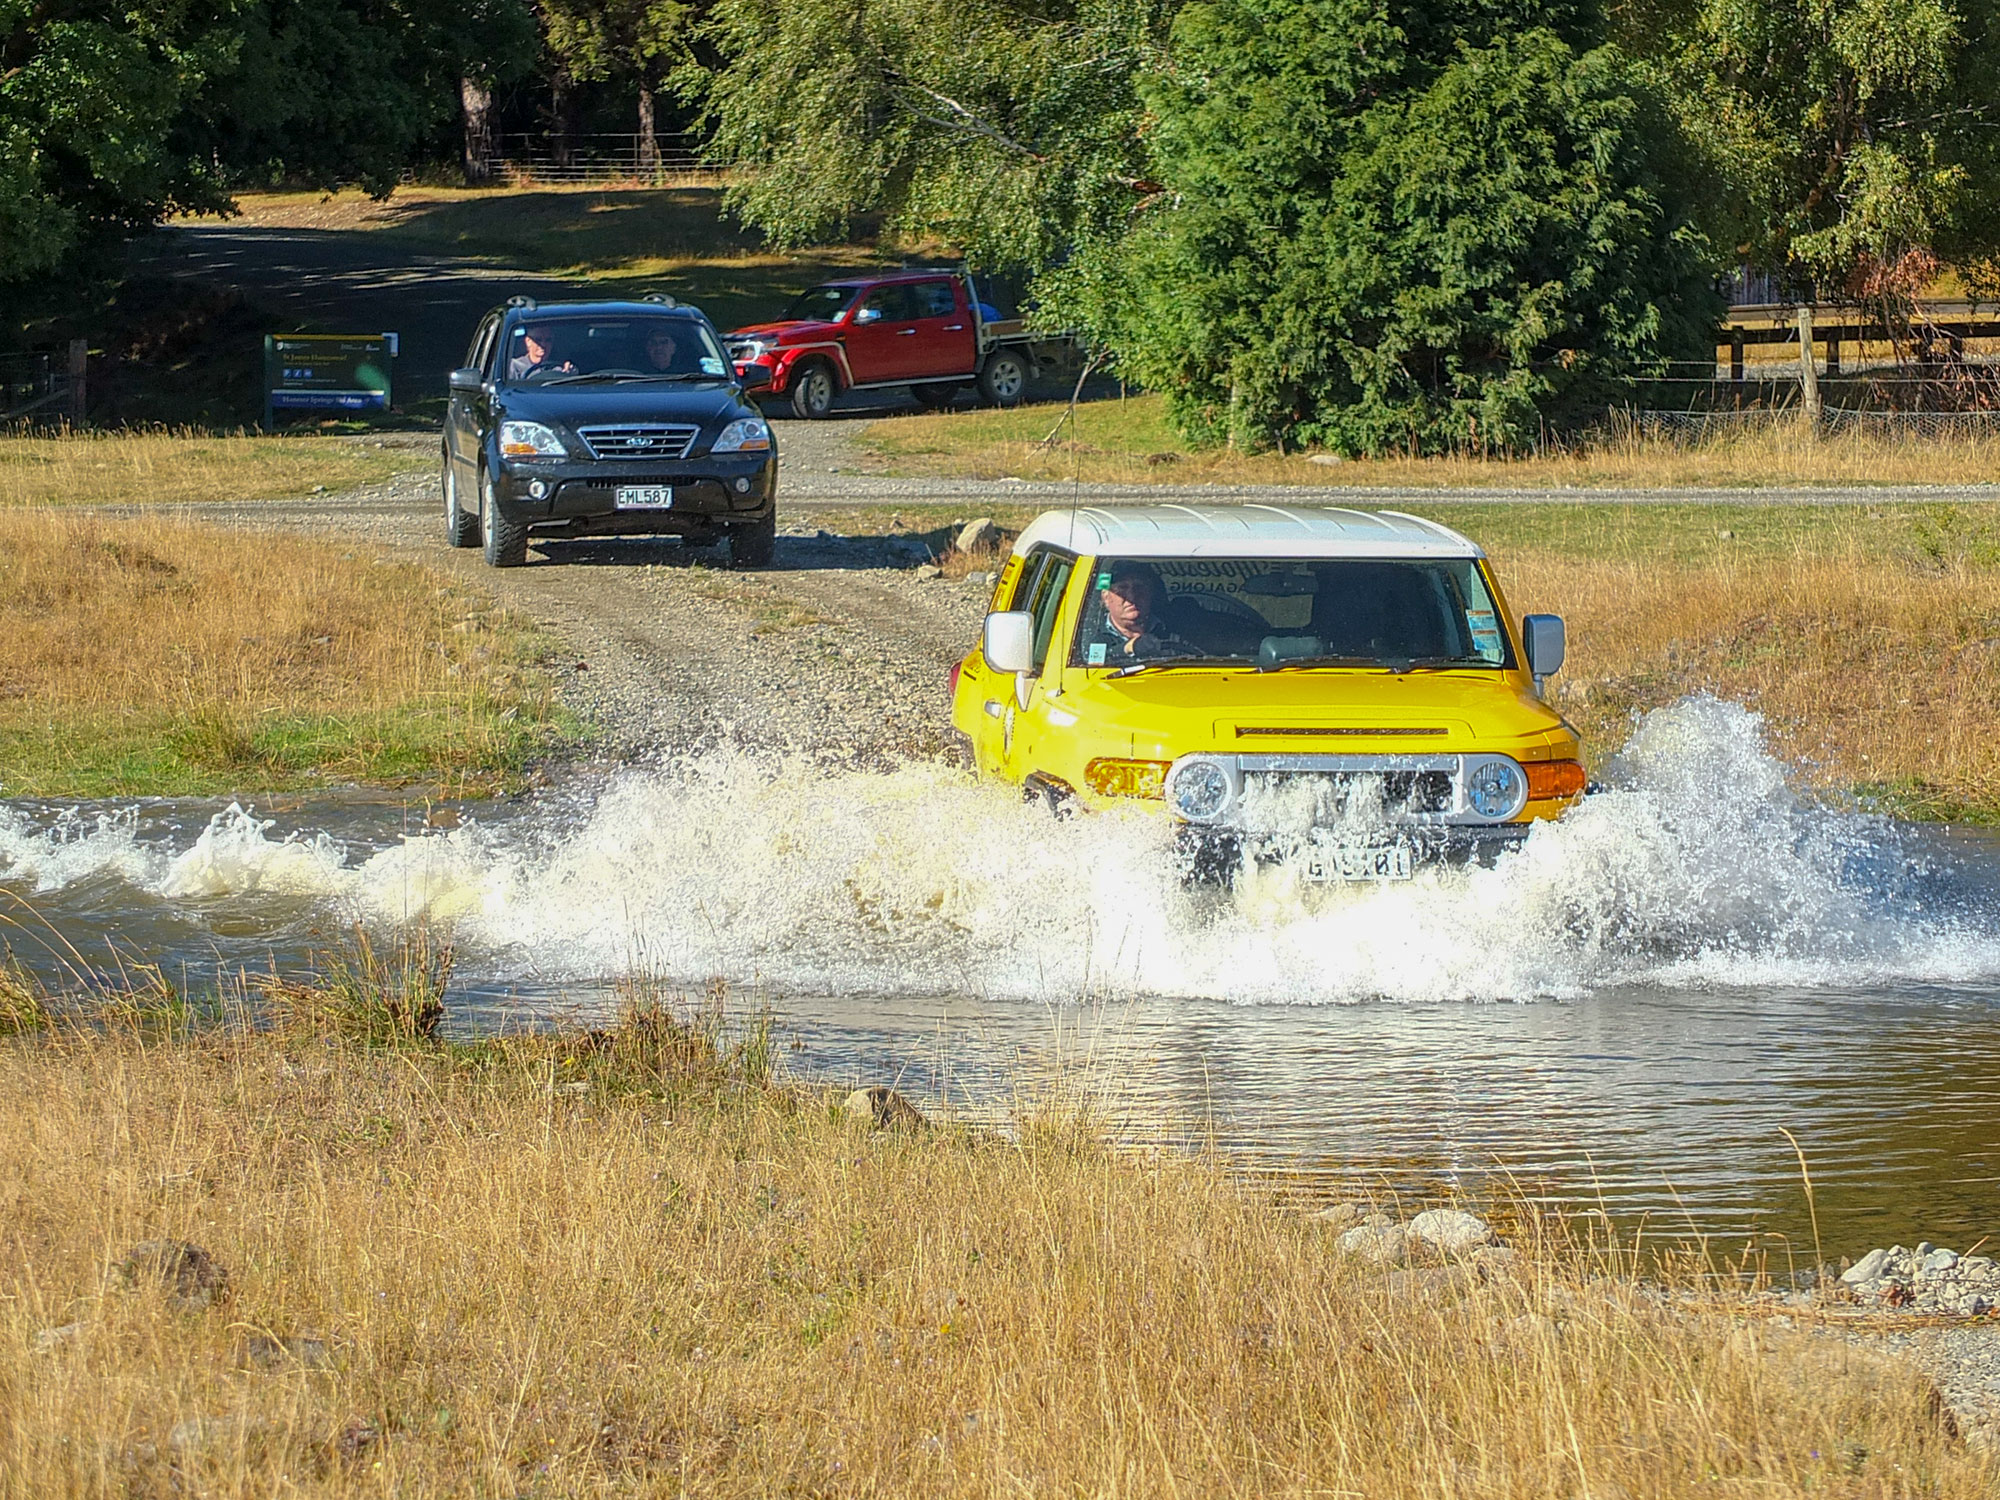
<point x="327" y="372"/>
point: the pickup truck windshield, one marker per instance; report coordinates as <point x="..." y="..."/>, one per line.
<point x="545" y="351"/>
<point x="821" y="305"/>
<point x="1278" y="614"/>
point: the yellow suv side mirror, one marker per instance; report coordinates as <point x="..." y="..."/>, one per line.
<point x="1008" y="645"/>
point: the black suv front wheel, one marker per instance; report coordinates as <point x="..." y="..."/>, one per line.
<point x="460" y="529"/>
<point x="752" y="543"/>
<point x="505" y="541"/>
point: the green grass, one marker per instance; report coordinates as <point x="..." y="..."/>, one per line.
<point x="142" y="654"/>
<point x="1675" y="534"/>
<point x="456" y="748"/>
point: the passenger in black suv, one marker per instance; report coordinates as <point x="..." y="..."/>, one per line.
<point x="600" y="418"/>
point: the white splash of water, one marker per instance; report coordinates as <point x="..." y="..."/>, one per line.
<point x="75" y="847"/>
<point x="1697" y="867"/>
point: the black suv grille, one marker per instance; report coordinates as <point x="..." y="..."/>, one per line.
<point x="648" y="441"/>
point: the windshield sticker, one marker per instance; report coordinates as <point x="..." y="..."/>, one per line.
<point x="1104" y="580"/>
<point x="1097" y="653"/>
<point x="710" y="365"/>
<point x="1486" y="638"/>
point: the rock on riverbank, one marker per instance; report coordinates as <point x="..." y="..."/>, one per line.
<point x="1927" y="1279"/>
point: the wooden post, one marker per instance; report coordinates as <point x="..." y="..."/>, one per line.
<point x="648" y="154"/>
<point x="1808" y="368"/>
<point x="79" y="371"/>
<point x="1736" y="364"/>
<point x="1832" y="353"/>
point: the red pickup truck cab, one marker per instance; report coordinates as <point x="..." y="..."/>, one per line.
<point x="921" y="329"/>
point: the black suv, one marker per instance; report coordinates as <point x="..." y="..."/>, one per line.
<point x="604" y="418"/>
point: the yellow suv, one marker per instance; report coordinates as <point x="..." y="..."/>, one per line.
<point x="1336" y="688"/>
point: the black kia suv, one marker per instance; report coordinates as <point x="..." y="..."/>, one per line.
<point x="604" y="418"/>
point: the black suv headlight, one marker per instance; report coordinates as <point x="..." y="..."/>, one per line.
<point x="745" y="435"/>
<point x="530" y="440"/>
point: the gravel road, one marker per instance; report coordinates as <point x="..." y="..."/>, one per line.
<point x="840" y="649"/>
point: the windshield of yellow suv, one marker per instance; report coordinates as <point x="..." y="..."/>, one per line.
<point x="1274" y="613"/>
<point x="639" y="347"/>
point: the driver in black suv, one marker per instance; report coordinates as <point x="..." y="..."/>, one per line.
<point x="602" y="418"/>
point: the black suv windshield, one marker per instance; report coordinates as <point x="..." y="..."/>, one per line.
<point x="1278" y="613"/>
<point x="624" y="346"/>
<point x="822" y="304"/>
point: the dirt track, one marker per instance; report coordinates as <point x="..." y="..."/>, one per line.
<point x="841" y="648"/>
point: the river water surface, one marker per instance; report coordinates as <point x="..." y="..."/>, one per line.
<point x="1628" y="1014"/>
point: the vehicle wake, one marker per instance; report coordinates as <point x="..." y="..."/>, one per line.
<point x="1697" y="866"/>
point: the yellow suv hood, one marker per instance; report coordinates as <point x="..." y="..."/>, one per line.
<point x="1198" y="708"/>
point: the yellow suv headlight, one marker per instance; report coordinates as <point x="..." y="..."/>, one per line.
<point x="1200" y="790"/>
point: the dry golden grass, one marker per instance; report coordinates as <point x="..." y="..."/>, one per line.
<point x="1875" y="672"/>
<point x="151" y="654"/>
<point x="1131" y="442"/>
<point x="516" y="1284"/>
<point x="157" y="467"/>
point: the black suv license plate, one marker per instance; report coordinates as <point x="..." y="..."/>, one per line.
<point x="644" y="497"/>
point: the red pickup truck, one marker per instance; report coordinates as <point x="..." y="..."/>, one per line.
<point x="921" y="329"/>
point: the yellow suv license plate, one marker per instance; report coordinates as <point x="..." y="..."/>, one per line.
<point x="644" y="497"/>
<point x="1349" y="862"/>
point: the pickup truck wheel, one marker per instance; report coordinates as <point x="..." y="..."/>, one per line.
<point x="936" y="397"/>
<point x="505" y="541"/>
<point x="813" y="390"/>
<point x="1003" y="380"/>
<point x="460" y="529"/>
<point x="751" y="545"/>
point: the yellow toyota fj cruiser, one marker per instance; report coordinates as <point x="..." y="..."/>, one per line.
<point x="1338" y="688"/>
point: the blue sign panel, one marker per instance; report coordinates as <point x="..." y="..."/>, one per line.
<point x="327" y="372"/>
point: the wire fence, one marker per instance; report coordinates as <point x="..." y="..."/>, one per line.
<point x="1699" y="425"/>
<point x="525" y="158"/>
<point x="37" y="387"/>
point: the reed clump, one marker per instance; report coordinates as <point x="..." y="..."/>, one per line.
<point x="23" y="1007"/>
<point x="150" y="654"/>
<point x="452" y="1271"/>
<point x="366" y="994"/>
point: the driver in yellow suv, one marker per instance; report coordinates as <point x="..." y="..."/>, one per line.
<point x="1127" y="626"/>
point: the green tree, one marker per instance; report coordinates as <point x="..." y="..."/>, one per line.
<point x="1847" y="136"/>
<point x="90" y="91"/>
<point x="115" y="115"/>
<point x="1372" y="245"/>
<point x="592" y="41"/>
<point x="1006" y="130"/>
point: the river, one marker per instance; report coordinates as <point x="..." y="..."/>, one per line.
<point x="1627" y="1016"/>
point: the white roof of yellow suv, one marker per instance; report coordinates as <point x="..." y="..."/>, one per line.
<point x="1164" y="531"/>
